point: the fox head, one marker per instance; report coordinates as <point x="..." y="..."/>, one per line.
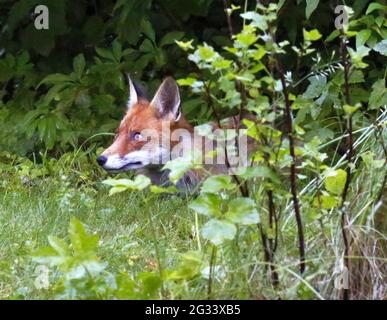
<point x="140" y="140"/>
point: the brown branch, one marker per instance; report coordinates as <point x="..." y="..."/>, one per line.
<point x="343" y="50"/>
<point x="229" y="21"/>
<point x="293" y="178"/>
<point x="239" y="86"/>
<point x="242" y="187"/>
<point x="268" y="256"/>
<point x="273" y="243"/>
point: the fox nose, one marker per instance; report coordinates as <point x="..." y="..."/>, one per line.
<point x="101" y="160"/>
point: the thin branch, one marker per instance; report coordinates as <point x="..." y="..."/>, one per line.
<point x="343" y="50"/>
<point x="242" y="187"/>
<point x="239" y="86"/>
<point x="273" y="243"/>
<point x="229" y="21"/>
<point x="293" y="178"/>
<point x="211" y="271"/>
<point x="268" y="256"/>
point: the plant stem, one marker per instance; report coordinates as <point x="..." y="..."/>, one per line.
<point x="242" y="187"/>
<point x="241" y="89"/>
<point x="211" y="273"/>
<point x="343" y="49"/>
<point x="293" y="178"/>
<point x="155" y="243"/>
<point x="229" y="22"/>
<point x="268" y="255"/>
<point x="197" y="231"/>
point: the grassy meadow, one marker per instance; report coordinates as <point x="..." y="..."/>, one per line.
<point x="141" y="233"/>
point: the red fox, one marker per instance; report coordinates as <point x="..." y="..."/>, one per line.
<point x="153" y="133"/>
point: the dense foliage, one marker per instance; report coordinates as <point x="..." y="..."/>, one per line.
<point x="312" y="205"/>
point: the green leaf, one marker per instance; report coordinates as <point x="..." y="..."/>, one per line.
<point x="147" y="47"/>
<point x="316" y="87"/>
<point x="215" y="184"/>
<point x="117" y="50"/>
<point x="105" y="53"/>
<point x="246" y="39"/>
<point x="188" y="267"/>
<point x="335" y="181"/>
<point x="218" y="231"/>
<point x="312" y="35"/>
<point x="362" y="36"/>
<point x="378" y="97"/>
<point x="186" y="81"/>
<point x="257" y="19"/>
<point x="242" y="211"/>
<point x="150" y="283"/>
<point x="171" y="38"/>
<point x="207" y="204"/>
<point x="84" y="245"/>
<point x="334" y="34"/>
<point x="349" y="110"/>
<point x="258" y="172"/>
<point x="356" y="76"/>
<point x="381" y="47"/>
<point x="358" y="55"/>
<point x="185" y="45"/>
<point x="50" y="256"/>
<point x="179" y="166"/>
<point x="79" y="64"/>
<point x="311" y="6"/>
<point x="370" y="161"/>
<point x="206" y="52"/>
<point x="375" y="6"/>
<point x="147" y="29"/>
<point x="329" y="202"/>
<point x="59" y="245"/>
<point x="56" y="78"/>
<point x="326" y="202"/>
<point x="119" y="185"/>
<point x="221" y="63"/>
<point x="159" y="190"/>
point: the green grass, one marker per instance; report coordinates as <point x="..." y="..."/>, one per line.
<point x="30" y="214"/>
<point x="33" y="206"/>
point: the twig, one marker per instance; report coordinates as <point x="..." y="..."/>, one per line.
<point x="343" y="49"/>
<point x="273" y="243"/>
<point x="293" y="178"/>
<point x="242" y="187"/>
<point x="268" y="256"/>
<point x="229" y="21"/>
<point x="211" y="271"/>
<point x="241" y="89"/>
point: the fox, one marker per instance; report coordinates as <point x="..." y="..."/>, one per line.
<point x="154" y="132"/>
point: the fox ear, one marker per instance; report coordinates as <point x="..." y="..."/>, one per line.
<point x="133" y="97"/>
<point x="167" y="99"/>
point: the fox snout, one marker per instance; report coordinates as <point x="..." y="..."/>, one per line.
<point x="101" y="160"/>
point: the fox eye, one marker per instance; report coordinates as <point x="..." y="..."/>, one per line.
<point x="136" y="136"/>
